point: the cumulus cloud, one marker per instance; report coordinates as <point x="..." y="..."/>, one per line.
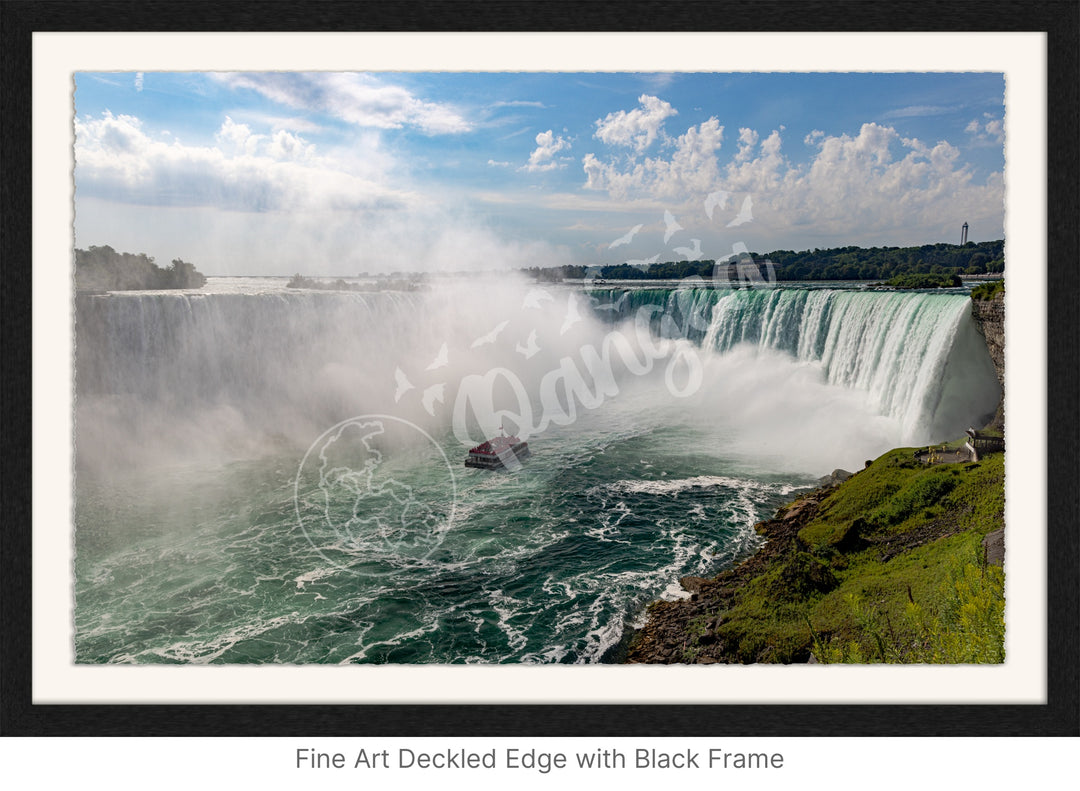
<point x="285" y="145"/>
<point x="272" y="203"/>
<point x="543" y="157"/>
<point x="875" y="181"/>
<point x="988" y="130"/>
<point x="748" y="138"/>
<point x="359" y="99"/>
<point x="117" y="160"/>
<point x="237" y="137"/>
<point x="637" y="128"/>
<point x="691" y="169"/>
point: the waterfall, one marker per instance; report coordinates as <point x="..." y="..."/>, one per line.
<point x="217" y="369"/>
<point x="917" y="356"/>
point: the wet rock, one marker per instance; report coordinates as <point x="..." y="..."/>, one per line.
<point x="835" y="478"/>
<point x="692" y="584"/>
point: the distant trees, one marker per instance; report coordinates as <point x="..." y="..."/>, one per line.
<point x="181" y="274"/>
<point x="104" y="269"/>
<point x="919" y="280"/>
<point x="381" y="284"/>
<point x="838" y="263"/>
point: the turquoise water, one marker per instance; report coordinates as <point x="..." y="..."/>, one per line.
<point x="224" y="515"/>
<point x="548" y="564"/>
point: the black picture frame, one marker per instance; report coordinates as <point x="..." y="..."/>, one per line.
<point x="1059" y="716"/>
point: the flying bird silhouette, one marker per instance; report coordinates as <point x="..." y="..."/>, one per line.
<point x="441" y="359"/>
<point x="737" y="249"/>
<point x="715" y="199"/>
<point x="688" y="254"/>
<point x="572" y="315"/>
<point x="535" y="297"/>
<point x="491" y="336"/>
<point x="530" y="348"/>
<point x="644" y="263"/>
<point x="625" y="239"/>
<point x="744" y="215"/>
<point x="435" y="393"/>
<point x="403" y="384"/>
<point x="672" y="225"/>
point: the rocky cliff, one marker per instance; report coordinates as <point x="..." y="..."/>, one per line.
<point x="990" y="319"/>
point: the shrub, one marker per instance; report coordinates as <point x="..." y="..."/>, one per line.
<point x="985" y="291"/>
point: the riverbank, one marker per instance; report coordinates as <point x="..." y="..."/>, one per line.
<point x="887" y="566"/>
<point x="901" y="562"/>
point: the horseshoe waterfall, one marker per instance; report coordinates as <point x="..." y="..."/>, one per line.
<point x="275" y="475"/>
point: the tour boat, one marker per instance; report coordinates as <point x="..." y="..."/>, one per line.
<point x="498" y="453"/>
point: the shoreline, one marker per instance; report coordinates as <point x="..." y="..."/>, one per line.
<point x="811" y="551"/>
<point x="663" y="638"/>
<point x="834" y="576"/>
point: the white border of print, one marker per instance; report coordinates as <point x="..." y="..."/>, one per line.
<point x="1021" y="56"/>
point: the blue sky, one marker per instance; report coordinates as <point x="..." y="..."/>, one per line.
<point x="338" y="173"/>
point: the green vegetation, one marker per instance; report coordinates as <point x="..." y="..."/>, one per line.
<point x="917" y="280"/>
<point x="985" y="291"/>
<point x="889" y="570"/>
<point x="839" y="263"/>
<point x="965" y="626"/>
<point x="104" y="269"/>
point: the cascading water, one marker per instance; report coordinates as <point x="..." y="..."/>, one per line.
<point x="916" y="355"/>
<point x="198" y="416"/>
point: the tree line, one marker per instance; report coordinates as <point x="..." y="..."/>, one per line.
<point x="837" y="263"/>
<point x="104" y="269"/>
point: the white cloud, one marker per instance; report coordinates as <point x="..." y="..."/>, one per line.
<point x="918" y="111"/>
<point x="543" y="157"/>
<point x="748" y="138"/>
<point x="992" y="131"/>
<point x="138" y="81"/>
<point x="638" y="128"/>
<point x="276" y="122"/>
<point x="116" y="160"/>
<point x="871" y="185"/>
<point x="285" y="145"/>
<point x="520" y="103"/>
<point x="692" y="168"/>
<point x="496" y="164"/>
<point x="359" y="99"/>
<point x="237" y="137"/>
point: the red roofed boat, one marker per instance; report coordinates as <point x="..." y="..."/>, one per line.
<point x="498" y="453"/>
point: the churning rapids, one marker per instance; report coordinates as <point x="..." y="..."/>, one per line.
<point x="272" y="475"/>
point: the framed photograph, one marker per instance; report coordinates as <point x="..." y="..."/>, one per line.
<point x="550" y="371"/>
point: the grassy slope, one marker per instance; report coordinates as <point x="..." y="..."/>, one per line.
<point x="875" y="571"/>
